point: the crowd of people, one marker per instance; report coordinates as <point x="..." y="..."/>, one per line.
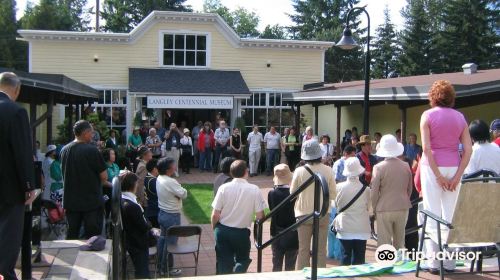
<point x="373" y="180"/>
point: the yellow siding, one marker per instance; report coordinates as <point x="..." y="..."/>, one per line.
<point x="387" y="118"/>
<point x="290" y="69"/>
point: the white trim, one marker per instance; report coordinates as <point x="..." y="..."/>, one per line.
<point x="100" y="87"/>
<point x="169" y="16"/>
<point x="322" y="74"/>
<point x="30" y="57"/>
<point x="208" y="50"/>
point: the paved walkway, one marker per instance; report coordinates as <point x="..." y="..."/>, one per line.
<point x="206" y="266"/>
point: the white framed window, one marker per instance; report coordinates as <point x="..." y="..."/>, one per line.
<point x="184" y="49"/>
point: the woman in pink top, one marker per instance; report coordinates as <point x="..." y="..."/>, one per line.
<point x="443" y="129"/>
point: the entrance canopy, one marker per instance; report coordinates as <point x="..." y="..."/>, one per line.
<point x="187" y="82"/>
<point x="39" y="88"/>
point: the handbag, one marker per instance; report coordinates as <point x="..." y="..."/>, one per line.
<point x="360" y="192"/>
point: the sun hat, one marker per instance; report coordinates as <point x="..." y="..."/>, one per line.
<point x="50" y="148"/>
<point x="495" y="125"/>
<point x="186" y="130"/>
<point x="352" y="167"/>
<point x="390" y="147"/>
<point x="311" y="150"/>
<point x="95" y="243"/>
<point x="365" y="139"/>
<point x="282" y="175"/>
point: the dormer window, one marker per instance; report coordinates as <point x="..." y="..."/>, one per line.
<point x="185" y="50"/>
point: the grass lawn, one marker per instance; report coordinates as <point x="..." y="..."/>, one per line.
<point x="198" y="204"/>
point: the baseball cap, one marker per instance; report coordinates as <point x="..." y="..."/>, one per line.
<point x="95" y="243"/>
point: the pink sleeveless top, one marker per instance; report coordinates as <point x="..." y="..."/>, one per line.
<point x="446" y="125"/>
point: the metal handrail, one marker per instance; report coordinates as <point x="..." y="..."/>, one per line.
<point x="118" y="262"/>
<point x="475" y="177"/>
<point x="320" y="188"/>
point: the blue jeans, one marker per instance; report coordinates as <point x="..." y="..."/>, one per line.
<point x="166" y="220"/>
<point x="205" y="160"/>
<point x="218" y="151"/>
<point x="271" y="159"/>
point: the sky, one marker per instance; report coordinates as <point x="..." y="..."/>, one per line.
<point x="276" y="11"/>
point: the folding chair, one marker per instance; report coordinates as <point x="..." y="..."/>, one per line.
<point x="475" y="226"/>
<point x="188" y="242"/>
<point x="55" y="226"/>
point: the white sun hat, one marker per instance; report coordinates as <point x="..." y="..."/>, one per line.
<point x="390" y="147"/>
<point x="352" y="167"/>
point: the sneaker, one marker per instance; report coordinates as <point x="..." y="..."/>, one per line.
<point x="175" y="272"/>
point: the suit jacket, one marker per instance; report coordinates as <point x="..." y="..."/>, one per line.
<point x="392" y="185"/>
<point x="135" y="226"/>
<point x="17" y="173"/>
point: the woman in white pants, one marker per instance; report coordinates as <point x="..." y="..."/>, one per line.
<point x="443" y="129"/>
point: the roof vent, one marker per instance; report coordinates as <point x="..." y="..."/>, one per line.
<point x="469" y="68"/>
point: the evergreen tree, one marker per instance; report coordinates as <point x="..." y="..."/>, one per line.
<point x="469" y="34"/>
<point x="274" y="32"/>
<point x="384" y="48"/>
<point x="324" y="20"/>
<point x="416" y="40"/>
<point x="8" y="33"/>
<point x="124" y="15"/>
<point x="242" y="21"/>
<point x="56" y="15"/>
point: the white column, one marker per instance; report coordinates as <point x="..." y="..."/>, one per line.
<point x="130" y="114"/>
<point x="235" y="112"/>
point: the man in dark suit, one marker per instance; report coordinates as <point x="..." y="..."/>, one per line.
<point x="16" y="172"/>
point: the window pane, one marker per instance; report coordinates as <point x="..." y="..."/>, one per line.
<point x="179" y="42"/>
<point x="202" y="42"/>
<point x="168" y="58"/>
<point x="168" y="41"/>
<point x="247" y="115"/>
<point x="190" y="58"/>
<point x="201" y="59"/>
<point x="287" y="117"/>
<point x="179" y="58"/>
<point x="274" y="117"/>
<point x="271" y="99"/>
<point x="261" y="117"/>
<point x="263" y="99"/>
<point x="107" y="97"/>
<point x="190" y="42"/>
<point x="278" y="99"/>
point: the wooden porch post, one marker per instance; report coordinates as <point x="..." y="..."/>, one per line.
<point x="316" y="119"/>
<point x="70" y="121"/>
<point x="339" y="115"/>
<point x="50" y="109"/>
<point x="403" y="123"/>
<point x="32" y="124"/>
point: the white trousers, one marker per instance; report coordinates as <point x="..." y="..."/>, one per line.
<point x="174" y="154"/>
<point x="254" y="159"/>
<point x="441" y="203"/>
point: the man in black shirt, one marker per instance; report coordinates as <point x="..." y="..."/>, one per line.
<point x="287" y="246"/>
<point x="84" y="172"/>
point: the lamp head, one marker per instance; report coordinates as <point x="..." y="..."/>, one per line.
<point x="347" y="42"/>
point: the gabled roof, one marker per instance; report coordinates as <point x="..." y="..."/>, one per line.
<point x="193" y="82"/>
<point x="413" y="88"/>
<point x="177" y="17"/>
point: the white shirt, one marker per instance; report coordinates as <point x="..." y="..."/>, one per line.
<point x="39" y="155"/>
<point x="222" y="136"/>
<point x="484" y="156"/>
<point x="238" y="200"/>
<point x="186" y="141"/>
<point x="254" y="141"/>
<point x="170" y="194"/>
<point x="272" y="140"/>
<point x="326" y="149"/>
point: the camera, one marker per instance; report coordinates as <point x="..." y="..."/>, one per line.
<point x="386" y="255"/>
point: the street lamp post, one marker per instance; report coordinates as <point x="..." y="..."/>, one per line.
<point x="347" y="42"/>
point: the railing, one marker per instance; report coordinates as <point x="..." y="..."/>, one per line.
<point x="320" y="188"/>
<point x="118" y="262"/>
